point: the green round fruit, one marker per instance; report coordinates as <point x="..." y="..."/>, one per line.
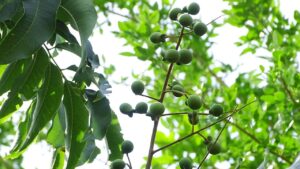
<point x="184" y="9"/>
<point x="185" y="20"/>
<point x="125" y="108"/>
<point x="156" y="37"/>
<point x="216" y="110"/>
<point x="194" y="102"/>
<point x="185" y="56"/>
<point x="156" y="109"/>
<point x="141" y="107"/>
<point x="193" y="118"/>
<point x="126" y="147"/>
<point x="214" y="148"/>
<point x="193" y="8"/>
<point x="174" y="13"/>
<point x="208" y="140"/>
<point x="172" y="55"/>
<point x="175" y="82"/>
<point x="137" y="87"/>
<point x="178" y="90"/>
<point x="200" y="28"/>
<point x="186" y="163"/>
<point x="117" y="164"/>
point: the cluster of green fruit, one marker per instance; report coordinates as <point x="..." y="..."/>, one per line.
<point x="183" y="16"/>
<point x="126" y="147"/>
<point x="155" y="109"/>
<point x="182" y="56"/>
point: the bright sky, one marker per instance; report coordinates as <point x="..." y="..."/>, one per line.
<point x="138" y="129"/>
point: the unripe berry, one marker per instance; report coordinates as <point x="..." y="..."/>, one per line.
<point x="141" y="107"/>
<point x="185" y="20"/>
<point x="193" y="118"/>
<point x="184" y="10"/>
<point x="216" y="110"/>
<point x="172" y="55"/>
<point x="185" y="56"/>
<point x="185" y="163"/>
<point x="125" y="108"/>
<point x="117" y="164"/>
<point x="179" y="89"/>
<point x="174" y="13"/>
<point x="208" y="140"/>
<point x="194" y="102"/>
<point x="200" y="28"/>
<point x="137" y="87"/>
<point x="156" y="109"/>
<point x="126" y="147"/>
<point x="214" y="148"/>
<point x="156" y="37"/>
<point x="193" y="8"/>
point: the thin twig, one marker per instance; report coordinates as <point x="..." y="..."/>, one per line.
<point x="217" y="77"/>
<point x="50" y="55"/>
<point x="149" y="97"/>
<point x="215" y="19"/>
<point x="174" y="114"/>
<point x="130" y="165"/>
<point x="122" y="15"/>
<point x="285" y="86"/>
<point x="195" y="132"/>
<point x="258" y="142"/>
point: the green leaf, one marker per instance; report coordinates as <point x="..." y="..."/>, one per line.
<point x="48" y="101"/>
<point x="58" y="159"/>
<point x="100" y="112"/>
<point x="77" y="122"/>
<point x="29" y="82"/>
<point x="11" y="74"/>
<point x="71" y="47"/>
<point x="82" y="16"/>
<point x="11" y="104"/>
<point x="34" y="28"/>
<point x="26" y="82"/>
<point x="63" y="31"/>
<point x="114" y="138"/>
<point x="22" y="132"/>
<point x="90" y="151"/>
<point x="8" y="9"/>
<point x="56" y="136"/>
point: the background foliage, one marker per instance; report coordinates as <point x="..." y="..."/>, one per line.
<point x="33" y="32"/>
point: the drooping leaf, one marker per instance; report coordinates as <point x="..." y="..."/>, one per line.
<point x="92" y="58"/>
<point x="63" y="31"/>
<point x="90" y="150"/>
<point x="103" y="84"/>
<point x="48" y="101"/>
<point x="26" y="83"/>
<point x="100" y="112"/>
<point x="56" y="136"/>
<point x="82" y="16"/>
<point x="85" y="75"/>
<point x="77" y="123"/>
<point x="22" y="132"/>
<point x="11" y="104"/>
<point x="71" y="47"/>
<point x="34" y="28"/>
<point x="11" y="74"/>
<point x="114" y="138"/>
<point x="58" y="159"/>
<point x="33" y="76"/>
<point x="8" y="9"/>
